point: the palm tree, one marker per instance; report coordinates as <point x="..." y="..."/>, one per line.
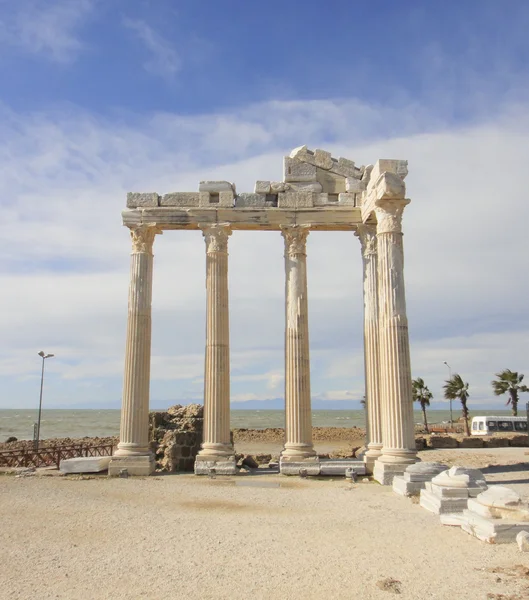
<point x="456" y="389"/>
<point x="422" y="394"/>
<point x="509" y="381"/>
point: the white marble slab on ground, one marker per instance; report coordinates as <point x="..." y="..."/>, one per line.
<point x="85" y="464"/>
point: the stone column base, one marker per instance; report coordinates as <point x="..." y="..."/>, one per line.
<point x="215" y="465"/>
<point x="290" y="465"/>
<point x="138" y="466"/>
<point x="369" y="462"/>
<point x="384" y="472"/>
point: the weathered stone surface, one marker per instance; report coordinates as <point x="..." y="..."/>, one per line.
<point x="496" y="442"/>
<point x="306" y="186"/>
<point x="135" y="466"/>
<point x="500" y="502"/>
<point x="224" y="466"/>
<point x="492" y="531"/>
<point x="345" y="199"/>
<point x="85" y="464"/>
<point x="262" y="187"/>
<point x="226" y="198"/>
<point x="216" y="186"/>
<point x="423" y="471"/>
<point x="277" y="187"/>
<point x="442" y="441"/>
<point x="250" y="462"/>
<point x="250" y="200"/>
<point x="322" y="199"/>
<point x="354" y="186"/>
<point x="295" y="170"/>
<point x="176" y="435"/>
<point x="340" y="466"/>
<point x="310" y="467"/>
<point x="137" y="200"/>
<point x="385" y="472"/>
<point x="331" y="182"/>
<point x="471" y="442"/>
<point x="522" y="539"/>
<point x="344" y="167"/>
<point x="406" y="488"/>
<point x="295" y="200"/>
<point x="441" y="505"/>
<point x="460" y="477"/>
<point x="181" y="199"/>
<point x="322" y="159"/>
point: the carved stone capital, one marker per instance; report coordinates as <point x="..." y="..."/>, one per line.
<point x="216" y="236"/>
<point x="389" y="215"/>
<point x="367" y="234"/>
<point x="295" y="239"/>
<point x="143" y="237"/>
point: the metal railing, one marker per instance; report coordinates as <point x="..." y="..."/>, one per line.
<point x="47" y="457"/>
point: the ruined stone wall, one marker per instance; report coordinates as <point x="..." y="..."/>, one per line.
<point x="175" y="436"/>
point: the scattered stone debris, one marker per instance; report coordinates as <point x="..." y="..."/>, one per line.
<point x="390" y="585"/>
<point x="522" y="539"/>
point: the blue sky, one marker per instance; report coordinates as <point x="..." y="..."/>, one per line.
<point x="100" y="98"/>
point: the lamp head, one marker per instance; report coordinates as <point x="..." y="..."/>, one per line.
<point x="49" y="355"/>
<point x="41" y="353"/>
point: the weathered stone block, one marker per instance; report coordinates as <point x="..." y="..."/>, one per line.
<point x="250" y="201"/>
<point x="443" y="441"/>
<point x="496" y="442"/>
<point x="204" y="199"/>
<point x="276" y="187"/>
<point x="207" y="466"/>
<point x="295" y="200"/>
<point x="262" y="187"/>
<point x="138" y="200"/>
<point x="385" y="472"/>
<point x="183" y="199"/>
<point x="321" y="199"/>
<point x="216" y="186"/>
<point x="226" y="199"/>
<point x="522" y="539"/>
<point x="306" y="186"/>
<point x="471" y="442"/>
<point x="354" y="186"/>
<point x="295" y="170"/>
<point x="140" y="466"/>
<point x="331" y="183"/>
<point x="322" y="159"/>
<point x="85" y="464"/>
<point x="345" y="199"/>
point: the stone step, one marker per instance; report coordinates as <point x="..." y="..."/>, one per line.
<point x="85" y="464"/>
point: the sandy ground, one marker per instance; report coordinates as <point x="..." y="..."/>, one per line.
<point x="258" y="536"/>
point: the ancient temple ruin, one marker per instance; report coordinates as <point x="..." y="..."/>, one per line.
<point x="318" y="193"/>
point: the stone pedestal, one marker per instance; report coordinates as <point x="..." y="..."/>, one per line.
<point x="415" y="477"/>
<point x="216" y="445"/>
<point x="298" y="418"/>
<point x="368" y="240"/>
<point x="449" y="491"/>
<point x="133" y="451"/>
<point x="395" y="371"/>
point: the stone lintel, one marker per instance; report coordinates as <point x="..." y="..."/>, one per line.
<point x="331" y="217"/>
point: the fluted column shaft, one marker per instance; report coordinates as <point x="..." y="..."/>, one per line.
<point x="216" y="440"/>
<point x="395" y="371"/>
<point x="368" y="240"/>
<point x="134" y="428"/>
<point x="298" y="418"/>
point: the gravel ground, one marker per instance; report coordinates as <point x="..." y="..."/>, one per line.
<point x="260" y="537"/>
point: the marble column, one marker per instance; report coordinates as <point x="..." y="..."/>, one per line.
<point x="368" y="241"/>
<point x="217" y="450"/>
<point x="133" y="452"/>
<point x="398" y="433"/>
<point x="298" y="418"/>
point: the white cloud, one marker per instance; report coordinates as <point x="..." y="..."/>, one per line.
<point x="64" y="273"/>
<point x="46" y="28"/>
<point x="164" y="60"/>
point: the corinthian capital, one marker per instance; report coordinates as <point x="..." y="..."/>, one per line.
<point x="295" y="238"/>
<point x="216" y="236"/>
<point x="143" y="237"/>
<point x="389" y="215"/>
<point x="367" y="234"/>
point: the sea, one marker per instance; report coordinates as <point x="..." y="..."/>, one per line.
<point x="58" y="423"/>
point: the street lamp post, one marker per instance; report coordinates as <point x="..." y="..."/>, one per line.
<point x="44" y="357"/>
<point x="449" y="377"/>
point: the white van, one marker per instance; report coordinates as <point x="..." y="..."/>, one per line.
<point x="490" y="425"/>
